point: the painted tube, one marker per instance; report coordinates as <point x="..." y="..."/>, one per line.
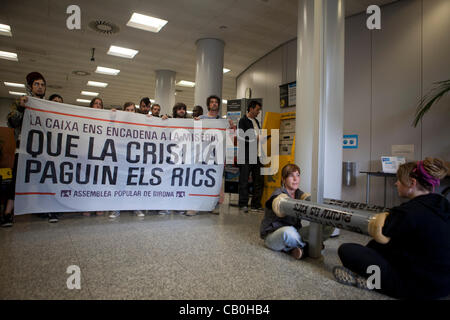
<point x="343" y="218"/>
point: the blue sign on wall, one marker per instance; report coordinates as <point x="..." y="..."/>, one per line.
<point x="350" y="141"/>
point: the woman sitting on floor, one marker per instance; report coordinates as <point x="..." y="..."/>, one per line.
<point x="413" y="250"/>
<point x="286" y="233"/>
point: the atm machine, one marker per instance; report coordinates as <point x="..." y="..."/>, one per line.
<point x="285" y="123"/>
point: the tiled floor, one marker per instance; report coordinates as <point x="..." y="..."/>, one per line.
<point x="162" y="257"/>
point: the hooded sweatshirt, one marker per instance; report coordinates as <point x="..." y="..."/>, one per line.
<point x="419" y="248"/>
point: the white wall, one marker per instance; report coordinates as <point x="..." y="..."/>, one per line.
<point x="386" y="73"/>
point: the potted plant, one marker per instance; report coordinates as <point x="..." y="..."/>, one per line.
<point x="434" y="95"/>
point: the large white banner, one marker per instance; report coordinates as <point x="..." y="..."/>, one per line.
<point x="81" y="159"/>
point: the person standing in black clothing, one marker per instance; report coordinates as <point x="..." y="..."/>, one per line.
<point x="248" y="159"/>
<point x="412" y="251"/>
<point x="36" y="87"/>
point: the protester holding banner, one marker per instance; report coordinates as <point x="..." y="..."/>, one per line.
<point x="197" y="111"/>
<point x="286" y="233"/>
<point x="56" y="98"/>
<point x="36" y="87"/>
<point x="213" y="105"/>
<point x="127" y="107"/>
<point x="414" y="258"/>
<point x="144" y="105"/>
<point x="96" y="103"/>
<point x="156" y="109"/>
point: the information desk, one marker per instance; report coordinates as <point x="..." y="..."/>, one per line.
<point x="377" y="174"/>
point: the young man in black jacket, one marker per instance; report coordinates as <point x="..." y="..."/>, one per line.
<point x="248" y="160"/>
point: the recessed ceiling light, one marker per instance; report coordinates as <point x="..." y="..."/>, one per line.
<point x="88" y="93"/>
<point x="225" y="70"/>
<point x="5" y="30"/>
<point x="97" y="84"/>
<point x="224" y="101"/>
<point x="83" y="101"/>
<point x="184" y="83"/>
<point x="8" y="56"/>
<point x="16" y="85"/>
<point x="122" y="52"/>
<point x="137" y="105"/>
<point x="81" y="73"/>
<point x="152" y="100"/>
<point x="17" y="93"/>
<point x="147" y="23"/>
<point x="189" y="111"/>
<point x="110" y="71"/>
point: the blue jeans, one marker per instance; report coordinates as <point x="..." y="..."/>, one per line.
<point x="284" y="239"/>
<point x="288" y="238"/>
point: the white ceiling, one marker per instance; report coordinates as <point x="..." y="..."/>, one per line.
<point x="44" y="44"/>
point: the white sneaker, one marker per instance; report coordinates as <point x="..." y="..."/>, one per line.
<point x="139" y="213"/>
<point x="336" y="233"/>
<point x="114" y="214"/>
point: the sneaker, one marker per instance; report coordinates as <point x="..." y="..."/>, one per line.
<point x="114" y="214"/>
<point x="139" y="213"/>
<point x="52" y="217"/>
<point x="346" y="276"/>
<point x="245" y="209"/>
<point x="163" y="212"/>
<point x="191" y="213"/>
<point x="216" y="210"/>
<point x="336" y="233"/>
<point x="8" y="220"/>
<point x="257" y="209"/>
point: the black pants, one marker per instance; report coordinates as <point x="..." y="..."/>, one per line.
<point x="244" y="173"/>
<point x="11" y="191"/>
<point x="358" y="258"/>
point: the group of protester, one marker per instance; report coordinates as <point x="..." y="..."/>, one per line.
<point x="412" y="251"/>
<point x="36" y="87"/>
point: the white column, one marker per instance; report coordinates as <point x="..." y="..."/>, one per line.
<point x="165" y="90"/>
<point x="320" y="92"/>
<point x="209" y="72"/>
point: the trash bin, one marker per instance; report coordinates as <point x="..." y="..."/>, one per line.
<point x="348" y="173"/>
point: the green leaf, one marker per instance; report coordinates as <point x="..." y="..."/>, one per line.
<point x="432" y="97"/>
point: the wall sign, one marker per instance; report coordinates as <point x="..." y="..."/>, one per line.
<point x="350" y="141"/>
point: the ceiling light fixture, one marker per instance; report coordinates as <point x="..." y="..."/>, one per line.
<point x="97" y="84"/>
<point x="88" y="93"/>
<point x="225" y="70"/>
<point x="8" y="56"/>
<point x="147" y="23"/>
<point x="224" y="101"/>
<point x="109" y="71"/>
<point x="5" y="30"/>
<point x="184" y="83"/>
<point x="80" y="73"/>
<point x="17" y="93"/>
<point x="16" y="85"/>
<point x="122" y="52"/>
<point x="83" y="101"/>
